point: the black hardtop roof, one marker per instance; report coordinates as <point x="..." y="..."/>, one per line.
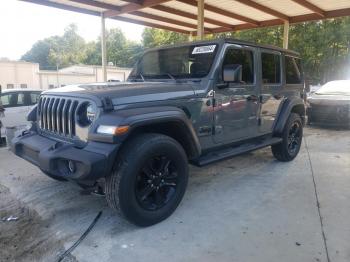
<point x="231" y="41"/>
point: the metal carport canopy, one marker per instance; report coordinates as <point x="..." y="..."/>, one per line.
<point x="219" y="15"/>
<point x="199" y="17"/>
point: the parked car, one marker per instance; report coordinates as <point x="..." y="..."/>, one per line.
<point x="17" y="104"/>
<point x="194" y="103"/>
<point x="330" y="105"/>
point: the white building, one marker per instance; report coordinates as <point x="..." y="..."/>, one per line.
<point x="19" y="74"/>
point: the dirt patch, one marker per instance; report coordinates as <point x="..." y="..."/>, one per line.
<point x="27" y="237"/>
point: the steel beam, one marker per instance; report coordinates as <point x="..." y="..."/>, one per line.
<point x="200" y="19"/>
<point x="286" y="34"/>
<point x="311" y="7"/>
<point x="223" y="12"/>
<point x="264" y="9"/>
<point x="103" y="48"/>
<point x="134" y="7"/>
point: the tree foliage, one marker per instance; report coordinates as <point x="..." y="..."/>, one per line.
<point x="152" y="37"/>
<point x="39" y="53"/>
<point x="71" y="48"/>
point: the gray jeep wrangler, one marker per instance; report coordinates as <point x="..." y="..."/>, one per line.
<point x="195" y="103"/>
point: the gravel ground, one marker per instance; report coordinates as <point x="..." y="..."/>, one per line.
<point x="27" y="237"/>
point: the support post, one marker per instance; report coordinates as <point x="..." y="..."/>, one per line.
<point x="200" y="19"/>
<point x="103" y="48"/>
<point x="190" y="38"/>
<point x="57" y="76"/>
<point x="286" y="34"/>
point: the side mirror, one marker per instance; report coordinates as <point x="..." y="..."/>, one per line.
<point x="232" y="73"/>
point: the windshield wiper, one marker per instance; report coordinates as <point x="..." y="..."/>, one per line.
<point x="143" y="79"/>
<point x="171" y="76"/>
<point x="134" y="77"/>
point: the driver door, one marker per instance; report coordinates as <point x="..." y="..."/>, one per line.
<point x="237" y="105"/>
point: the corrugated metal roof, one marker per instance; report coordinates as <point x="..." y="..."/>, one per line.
<point x="220" y="15"/>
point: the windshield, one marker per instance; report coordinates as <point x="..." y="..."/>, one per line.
<point x="341" y="87"/>
<point x="183" y="62"/>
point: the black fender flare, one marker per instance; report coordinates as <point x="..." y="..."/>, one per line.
<point x="289" y="105"/>
<point x="139" y="119"/>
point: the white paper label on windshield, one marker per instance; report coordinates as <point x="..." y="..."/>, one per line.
<point x="203" y="49"/>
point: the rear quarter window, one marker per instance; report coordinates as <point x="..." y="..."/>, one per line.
<point x="293" y="70"/>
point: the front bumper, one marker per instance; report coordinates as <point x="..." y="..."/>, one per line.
<point x="92" y="162"/>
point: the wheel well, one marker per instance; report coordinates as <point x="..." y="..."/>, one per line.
<point x="173" y="129"/>
<point x="300" y="110"/>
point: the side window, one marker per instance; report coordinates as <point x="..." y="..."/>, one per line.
<point x="34" y="98"/>
<point x="241" y="57"/>
<point x="8" y="100"/>
<point x="20" y="99"/>
<point x="5" y="100"/>
<point x="271" y="68"/>
<point x="293" y="73"/>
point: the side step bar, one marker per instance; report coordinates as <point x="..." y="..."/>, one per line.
<point x="229" y="152"/>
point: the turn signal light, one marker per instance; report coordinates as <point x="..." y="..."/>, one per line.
<point x="120" y="130"/>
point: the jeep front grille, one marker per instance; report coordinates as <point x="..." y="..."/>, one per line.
<point x="57" y="115"/>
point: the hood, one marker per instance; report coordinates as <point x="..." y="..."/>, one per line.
<point x="128" y="92"/>
<point x="329" y="99"/>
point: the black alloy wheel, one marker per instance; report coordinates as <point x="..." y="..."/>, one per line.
<point x="294" y="137"/>
<point x="149" y="179"/>
<point x="156" y="184"/>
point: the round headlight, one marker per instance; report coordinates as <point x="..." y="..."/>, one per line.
<point x="86" y="114"/>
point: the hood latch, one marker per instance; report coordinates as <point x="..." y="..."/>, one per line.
<point x="107" y="104"/>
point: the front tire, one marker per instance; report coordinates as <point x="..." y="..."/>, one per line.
<point x="292" y="136"/>
<point x="149" y="179"/>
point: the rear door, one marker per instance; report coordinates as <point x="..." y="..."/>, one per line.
<point x="271" y="88"/>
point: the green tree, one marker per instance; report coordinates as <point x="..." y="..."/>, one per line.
<point x="68" y="49"/>
<point x="62" y="50"/>
<point x="39" y="53"/>
<point x="152" y="37"/>
<point x="120" y="51"/>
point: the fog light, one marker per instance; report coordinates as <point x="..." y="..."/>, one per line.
<point x="71" y="166"/>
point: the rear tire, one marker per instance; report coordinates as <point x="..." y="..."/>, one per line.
<point x="292" y="136"/>
<point x="149" y="179"/>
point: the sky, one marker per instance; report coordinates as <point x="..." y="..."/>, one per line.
<point x="22" y="24"/>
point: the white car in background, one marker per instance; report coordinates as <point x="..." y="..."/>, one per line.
<point x="17" y="104"/>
